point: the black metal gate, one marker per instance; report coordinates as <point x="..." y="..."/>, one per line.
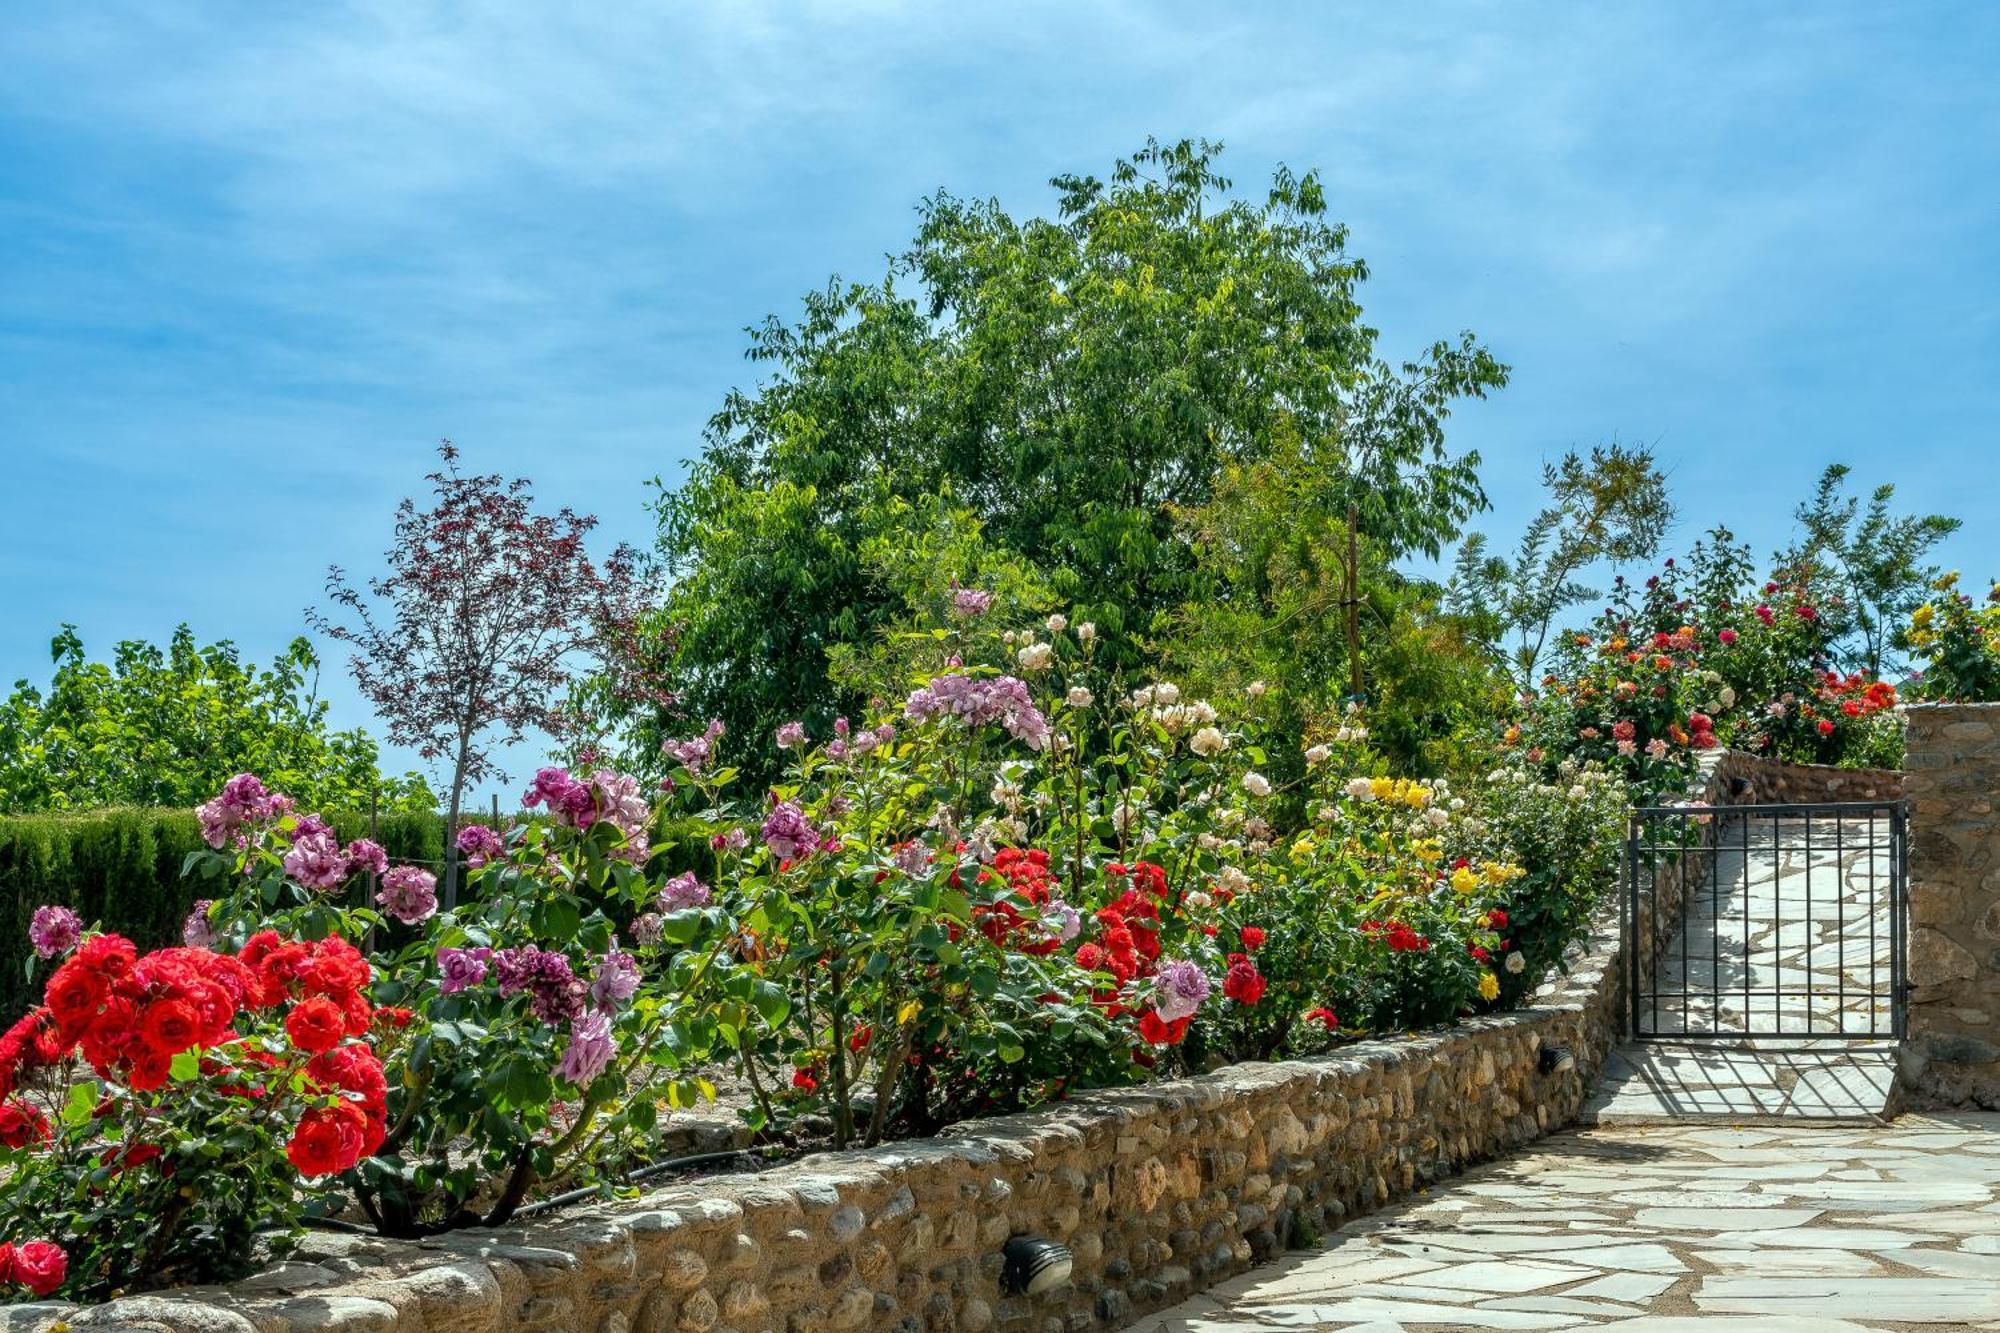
<point x="1766" y="920"/>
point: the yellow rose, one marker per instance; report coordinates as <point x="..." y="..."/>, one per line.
<point x="1464" y="880"/>
<point x="1489" y="986"/>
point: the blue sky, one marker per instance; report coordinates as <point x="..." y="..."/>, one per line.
<point x="255" y="259"/>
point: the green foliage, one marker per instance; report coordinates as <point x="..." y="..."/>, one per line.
<point x="167" y="727"/>
<point x="1273" y="552"/>
<point x="1612" y="507"/>
<point x="1876" y="566"/>
<point x="122" y="869"/>
<point x="1068" y="389"/>
<point x="1564" y="830"/>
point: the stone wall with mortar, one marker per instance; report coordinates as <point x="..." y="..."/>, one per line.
<point x="1951" y="1056"/>
<point x="1160" y="1191"/>
<point x="1747" y="779"/>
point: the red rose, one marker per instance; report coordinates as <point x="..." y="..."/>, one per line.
<point x="150" y="1069"/>
<point x="803" y="1080"/>
<point x="1826" y="726"/>
<point x="1243" y="983"/>
<point x="316" y="1025"/>
<point x="112" y="1034"/>
<point x="352" y="1069"/>
<point x="110" y="956"/>
<point x="394" y="1016"/>
<point x="74" y="995"/>
<point x="1323" y="1016"/>
<point x="169" y="1026"/>
<point x="1159" y="1032"/>
<point x="337" y="968"/>
<point x="40" y="1266"/>
<point x="137" y="1155"/>
<point x="328" y="1140"/>
<point x="1496" y="920"/>
<point x="1253" y="937"/>
<point x="359" y="1014"/>
<point x="217" y="1008"/>
<point x="21" y="1125"/>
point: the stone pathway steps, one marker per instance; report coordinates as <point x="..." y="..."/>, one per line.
<point x="1785" y="1229"/>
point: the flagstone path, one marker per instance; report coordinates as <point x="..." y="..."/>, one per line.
<point x="1773" y="1229"/>
<point x="1791" y="933"/>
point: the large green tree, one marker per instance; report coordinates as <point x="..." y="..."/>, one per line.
<point x="167" y="727"/>
<point x="1068" y="388"/>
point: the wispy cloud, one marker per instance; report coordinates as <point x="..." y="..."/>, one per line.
<point x="254" y="258"/>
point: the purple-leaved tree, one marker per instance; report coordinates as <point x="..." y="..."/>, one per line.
<point x="473" y="636"/>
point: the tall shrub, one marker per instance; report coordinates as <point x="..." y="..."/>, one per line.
<point x="122" y="869"/>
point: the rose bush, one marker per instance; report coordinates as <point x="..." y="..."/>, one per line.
<point x="1017" y="875"/>
<point x="161" y="1111"/>
<point x="1957" y="642"/>
<point x="1704" y="656"/>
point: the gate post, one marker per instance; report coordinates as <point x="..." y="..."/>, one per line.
<point x="1951" y="1052"/>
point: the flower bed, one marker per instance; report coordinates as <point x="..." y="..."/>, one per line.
<point x="1158" y="1190"/>
<point x="1701" y="658"/>
<point x="996" y="891"/>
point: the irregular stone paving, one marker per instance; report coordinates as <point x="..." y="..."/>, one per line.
<point x="1785" y="1229"/>
<point x="1652" y="1083"/>
<point x="1791" y="933"/>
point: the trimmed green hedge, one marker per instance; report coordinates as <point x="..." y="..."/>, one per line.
<point x="121" y="869"/>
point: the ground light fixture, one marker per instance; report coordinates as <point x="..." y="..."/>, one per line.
<point x="1555" y="1059"/>
<point x="1034" y="1265"/>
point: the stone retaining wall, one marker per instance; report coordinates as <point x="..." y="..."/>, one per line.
<point x="1747" y="779"/>
<point x="1159" y="1191"/>
<point x="1952" y="1053"/>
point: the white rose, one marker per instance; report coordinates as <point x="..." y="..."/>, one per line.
<point x="1036" y="657"/>
<point x="1199" y="899"/>
<point x="1515" y="962"/>
<point x="1208" y="742"/>
<point x="1058" y="623"/>
<point x="1255" y="689"/>
<point x="1141" y="698"/>
<point x="1317" y="754"/>
<point x="1361" y="789"/>
<point x="1086" y="631"/>
<point x="1728" y="697"/>
<point x="1166" y="692"/>
<point x="1256" y="784"/>
<point x="1079" y="697"/>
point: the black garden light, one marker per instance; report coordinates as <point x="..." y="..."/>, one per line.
<point x="1555" y="1059"/>
<point x="1034" y="1266"/>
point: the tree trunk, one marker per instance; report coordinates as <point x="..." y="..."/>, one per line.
<point x="1352" y="603"/>
<point x="449" y="898"/>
